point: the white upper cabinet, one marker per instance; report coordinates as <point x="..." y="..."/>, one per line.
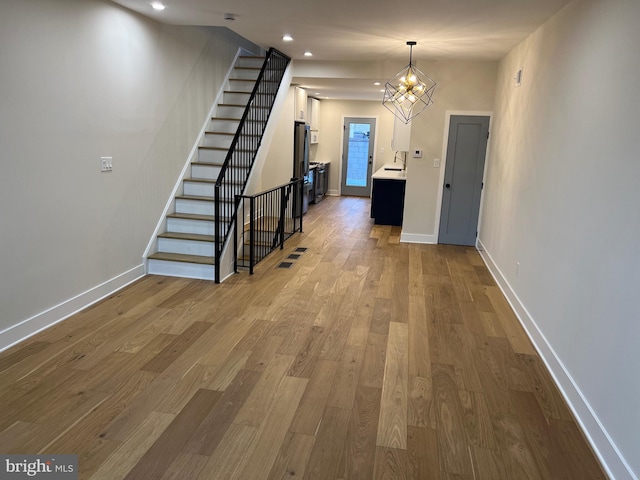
<point x="300" y="102"/>
<point x="401" y="136"/>
<point x="313" y="112"/>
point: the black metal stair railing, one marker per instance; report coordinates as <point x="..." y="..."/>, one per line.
<point x="244" y="147"/>
<point x="273" y="217"/>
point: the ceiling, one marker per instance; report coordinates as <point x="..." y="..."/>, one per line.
<point x="365" y="32"/>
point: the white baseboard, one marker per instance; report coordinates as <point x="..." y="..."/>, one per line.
<point x="333" y="193"/>
<point x="604" y="447"/>
<point x="417" y="238"/>
<point x="23" y="330"/>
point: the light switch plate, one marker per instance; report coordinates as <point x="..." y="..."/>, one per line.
<point x="106" y="164"/>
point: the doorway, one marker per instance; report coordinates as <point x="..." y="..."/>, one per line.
<point x="462" y="188"/>
<point x="357" y="158"/>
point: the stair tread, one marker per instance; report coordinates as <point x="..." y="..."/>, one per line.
<point x="192" y="216"/>
<point x="212" y="132"/>
<point x="200" y="198"/>
<point x="181" y="257"/>
<point x="201" y="180"/>
<point x="208" y="180"/>
<point x="242" y="92"/>
<point x="198" y="216"/>
<point x="188" y="236"/>
<point x="232" y="119"/>
<point x="204" y="147"/>
<point x="240" y="105"/>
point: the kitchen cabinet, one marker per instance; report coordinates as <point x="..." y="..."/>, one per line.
<point x="387" y="196"/>
<point x="300" y="104"/>
<point x="313" y="113"/>
<point x="401" y="136"/>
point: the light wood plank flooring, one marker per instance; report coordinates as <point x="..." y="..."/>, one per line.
<point x="367" y="359"/>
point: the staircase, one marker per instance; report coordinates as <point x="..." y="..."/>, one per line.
<point x="196" y="232"/>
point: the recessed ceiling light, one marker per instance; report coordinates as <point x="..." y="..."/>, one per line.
<point x="287" y="38"/>
<point x="376" y="83"/>
<point x="381" y="90"/>
<point x="158" y="6"/>
<point x="308" y="54"/>
<point x="229" y="16"/>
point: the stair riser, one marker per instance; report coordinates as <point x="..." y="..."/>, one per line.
<point x="227" y="111"/>
<point x="205" y="171"/>
<point x="200" y="189"/>
<point x="241" y="86"/>
<point x="217" y="140"/>
<point x="197" y="207"/>
<point x="255" y="62"/>
<point x="181" y="269"/>
<point x="224" y="126"/>
<point x="251" y="74"/>
<point x="183" y="225"/>
<point x="211" y="156"/>
<point x="237" y="98"/>
<point x="187" y="247"/>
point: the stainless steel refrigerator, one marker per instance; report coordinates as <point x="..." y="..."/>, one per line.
<point x="301" y="161"/>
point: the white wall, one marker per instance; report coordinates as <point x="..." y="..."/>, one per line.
<point x="81" y="79"/>
<point x="280" y="158"/>
<point x="561" y="199"/>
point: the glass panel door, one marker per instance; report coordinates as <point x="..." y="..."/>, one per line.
<point x="357" y="161"/>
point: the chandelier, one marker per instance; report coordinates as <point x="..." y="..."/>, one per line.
<point x="409" y="92"/>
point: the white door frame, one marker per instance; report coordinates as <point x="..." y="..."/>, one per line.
<point x="443" y="164"/>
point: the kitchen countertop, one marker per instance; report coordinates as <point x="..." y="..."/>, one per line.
<point x="390" y="171"/>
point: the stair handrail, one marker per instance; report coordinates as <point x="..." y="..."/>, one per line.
<point x="256" y="131"/>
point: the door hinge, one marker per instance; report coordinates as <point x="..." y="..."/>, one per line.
<point x="482" y="186"/>
<point x="487" y="135"/>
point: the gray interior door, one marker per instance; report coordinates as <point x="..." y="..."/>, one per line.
<point x="357" y="160"/>
<point x="466" y="150"/>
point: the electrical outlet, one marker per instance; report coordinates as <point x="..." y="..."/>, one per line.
<point x="436" y="163"/>
<point x="417" y="154"/>
<point x="106" y="164"/>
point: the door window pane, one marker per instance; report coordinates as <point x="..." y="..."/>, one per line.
<point x="358" y="154"/>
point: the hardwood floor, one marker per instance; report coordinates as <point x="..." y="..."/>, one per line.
<point x="367" y="359"/>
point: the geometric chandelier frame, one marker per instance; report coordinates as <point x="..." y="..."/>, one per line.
<point x="409" y="92"/>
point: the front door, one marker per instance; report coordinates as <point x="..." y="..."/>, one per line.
<point x="357" y="159"/>
<point x="466" y="150"/>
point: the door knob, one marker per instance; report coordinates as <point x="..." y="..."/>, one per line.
<point x="447" y="185"/>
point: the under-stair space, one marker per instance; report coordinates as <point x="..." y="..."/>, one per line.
<point x="187" y="246"/>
